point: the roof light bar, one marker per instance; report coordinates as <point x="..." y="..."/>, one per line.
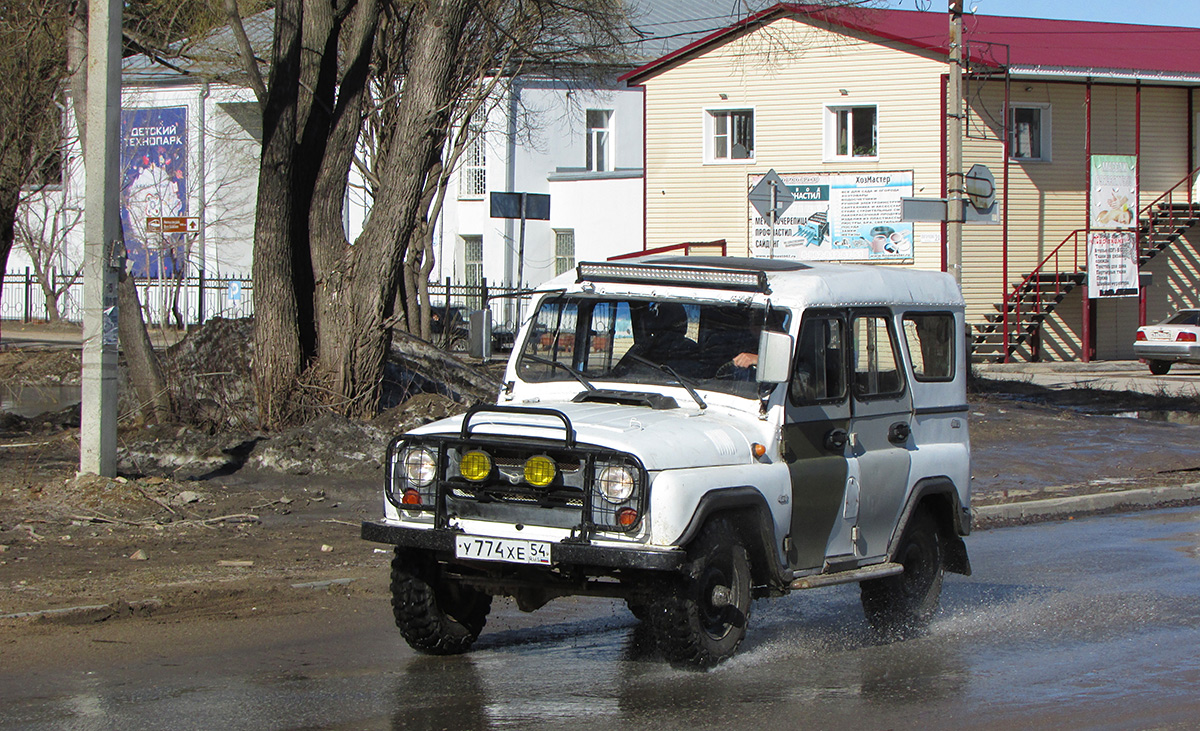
<point x="704" y="277"/>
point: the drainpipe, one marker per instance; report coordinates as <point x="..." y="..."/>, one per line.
<point x="1006" y="289"/>
<point x="1086" y="345"/>
<point x="203" y="173"/>
<point x="1137" y="196"/>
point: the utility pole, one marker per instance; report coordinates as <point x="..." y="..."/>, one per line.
<point x="954" y="123"/>
<point x="102" y="251"/>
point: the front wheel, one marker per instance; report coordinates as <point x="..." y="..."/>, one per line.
<point x="436" y="614"/>
<point x="1160" y="367"/>
<point x="896" y="606"/>
<point x="702" y="620"/>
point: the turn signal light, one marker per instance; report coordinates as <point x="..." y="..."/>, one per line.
<point x="411" y="497"/>
<point x="626" y="517"/>
<point x="1185" y="337"/>
<point x="758" y="449"/>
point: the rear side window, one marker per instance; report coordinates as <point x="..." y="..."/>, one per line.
<point x="876" y="365"/>
<point x="929" y="337"/>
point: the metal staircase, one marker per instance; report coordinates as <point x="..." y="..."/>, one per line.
<point x="1016" y="323"/>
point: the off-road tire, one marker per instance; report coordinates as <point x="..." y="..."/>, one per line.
<point x="1160" y="367"/>
<point x="436" y="615"/>
<point x="689" y="629"/>
<point x="898" y="606"/>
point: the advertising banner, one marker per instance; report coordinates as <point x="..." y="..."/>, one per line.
<point x="838" y="217"/>
<point x="1112" y="264"/>
<point x="153" y="185"/>
<point x="1114" y="191"/>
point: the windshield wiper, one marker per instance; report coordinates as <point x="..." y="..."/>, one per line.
<point x="687" y="384"/>
<point x="558" y="364"/>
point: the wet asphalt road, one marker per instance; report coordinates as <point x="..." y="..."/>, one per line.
<point x="1084" y="624"/>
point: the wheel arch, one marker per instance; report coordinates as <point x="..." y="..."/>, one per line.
<point x="940" y="497"/>
<point x="747" y="509"/>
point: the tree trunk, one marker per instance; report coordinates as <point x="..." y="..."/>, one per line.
<point x="145" y="374"/>
<point x="376" y="259"/>
<point x="277" y="351"/>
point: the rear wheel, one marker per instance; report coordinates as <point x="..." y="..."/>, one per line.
<point x="897" y="606"/>
<point x="702" y="619"/>
<point x="436" y="614"/>
<point x="1160" y="367"/>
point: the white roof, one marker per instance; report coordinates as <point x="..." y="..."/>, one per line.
<point x="794" y="283"/>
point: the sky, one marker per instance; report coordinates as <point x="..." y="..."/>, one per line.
<point x="1146" y="12"/>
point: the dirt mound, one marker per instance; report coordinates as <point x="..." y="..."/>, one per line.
<point x="40" y="367"/>
<point x="209" y="373"/>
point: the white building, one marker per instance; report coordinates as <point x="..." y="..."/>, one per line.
<point x="581" y="145"/>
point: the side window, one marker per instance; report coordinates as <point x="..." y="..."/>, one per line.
<point x="929" y="338"/>
<point x="819" y="374"/>
<point x="876" y="365"/>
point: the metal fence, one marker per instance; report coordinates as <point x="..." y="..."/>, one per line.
<point x="194" y="300"/>
<point x="171" y="301"/>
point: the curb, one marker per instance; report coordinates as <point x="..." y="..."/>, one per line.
<point x="1062" y="507"/>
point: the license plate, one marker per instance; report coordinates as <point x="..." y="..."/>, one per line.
<point x="512" y="550"/>
<point x="1160" y="335"/>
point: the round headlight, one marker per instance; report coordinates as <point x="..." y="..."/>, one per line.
<point x="616" y="483"/>
<point x="419" y="466"/>
<point x="539" y="470"/>
<point x="475" y="466"/>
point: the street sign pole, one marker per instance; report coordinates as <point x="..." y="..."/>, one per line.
<point x="774" y="203"/>
<point x="521" y="260"/>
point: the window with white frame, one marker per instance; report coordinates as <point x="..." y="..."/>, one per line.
<point x="729" y="135"/>
<point x="472" y="260"/>
<point x="564" y="250"/>
<point x="599" y="140"/>
<point x="473" y="173"/>
<point x="851" y="131"/>
<point x="1030" y="132"/>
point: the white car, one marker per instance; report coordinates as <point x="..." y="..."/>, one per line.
<point x="1174" y="340"/>
<point x="689" y="434"/>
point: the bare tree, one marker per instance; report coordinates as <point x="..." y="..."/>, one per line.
<point x="43" y="230"/>
<point x="31" y="68"/>
<point x="325" y="306"/>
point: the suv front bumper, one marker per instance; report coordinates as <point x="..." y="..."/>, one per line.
<point x="561" y="553"/>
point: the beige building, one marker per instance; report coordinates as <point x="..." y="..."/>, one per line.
<point x="1088" y="130"/>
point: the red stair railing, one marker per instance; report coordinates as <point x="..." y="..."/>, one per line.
<point x="1056" y="255"/>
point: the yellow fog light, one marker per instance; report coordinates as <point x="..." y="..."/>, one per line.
<point x="475" y="466"/>
<point x="539" y="470"/>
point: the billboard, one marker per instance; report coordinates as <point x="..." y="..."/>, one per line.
<point x="838" y="217"/>
<point x="153" y="184"/>
<point x="1112" y="264"/>
<point x="1114" y="191"/>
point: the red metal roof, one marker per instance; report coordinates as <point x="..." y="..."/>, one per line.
<point x="993" y="40"/>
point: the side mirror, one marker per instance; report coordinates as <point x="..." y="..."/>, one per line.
<point x="774" y="357"/>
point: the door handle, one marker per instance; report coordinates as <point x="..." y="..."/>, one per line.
<point x="899" y="432"/>
<point x="835" y="440"/>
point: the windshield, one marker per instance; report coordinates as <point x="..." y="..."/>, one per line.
<point x="708" y="346"/>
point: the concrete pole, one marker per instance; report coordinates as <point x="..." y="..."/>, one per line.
<point x="101" y="252"/>
<point x="954" y="165"/>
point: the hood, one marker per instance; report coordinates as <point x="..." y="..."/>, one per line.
<point x="662" y="439"/>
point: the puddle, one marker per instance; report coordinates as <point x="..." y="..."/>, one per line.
<point x="1189" y="418"/>
<point x="29" y="401"/>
